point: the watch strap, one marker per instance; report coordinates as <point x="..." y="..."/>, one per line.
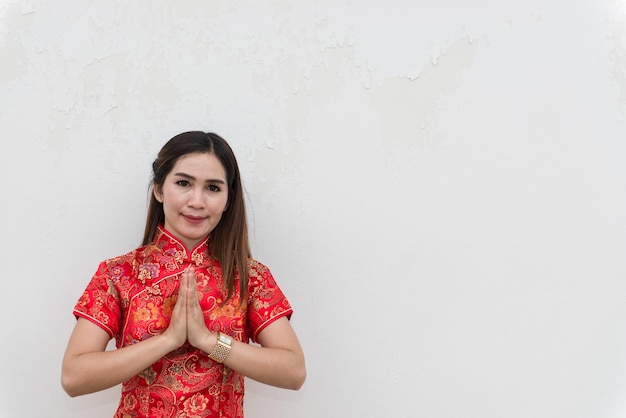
<point x="222" y="348"/>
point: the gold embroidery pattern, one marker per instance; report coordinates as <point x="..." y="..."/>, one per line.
<point x="132" y="298"/>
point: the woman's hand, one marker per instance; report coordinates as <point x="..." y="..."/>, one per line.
<point x="176" y="332"/>
<point x="198" y="334"/>
<point x="187" y="322"/>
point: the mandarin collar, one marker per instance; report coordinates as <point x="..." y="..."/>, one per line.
<point x="171" y="245"/>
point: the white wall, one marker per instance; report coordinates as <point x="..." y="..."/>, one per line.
<point x="439" y="188"/>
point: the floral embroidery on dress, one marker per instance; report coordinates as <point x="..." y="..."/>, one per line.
<point x="132" y="298"/>
<point x="195" y="405"/>
<point x="149" y="375"/>
<point x="148" y="271"/>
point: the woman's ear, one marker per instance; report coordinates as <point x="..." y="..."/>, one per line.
<point x="157" y="191"/>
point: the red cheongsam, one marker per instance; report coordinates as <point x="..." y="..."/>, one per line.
<point x="131" y="297"/>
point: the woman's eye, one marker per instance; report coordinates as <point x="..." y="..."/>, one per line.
<point x="183" y="183"/>
<point x="213" y="188"/>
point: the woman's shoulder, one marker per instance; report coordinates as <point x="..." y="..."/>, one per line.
<point x="132" y="257"/>
<point x="260" y="275"/>
<point x="255" y="267"/>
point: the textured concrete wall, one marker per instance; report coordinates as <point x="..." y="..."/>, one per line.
<point x="439" y="188"/>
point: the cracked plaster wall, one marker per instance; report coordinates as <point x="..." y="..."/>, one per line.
<point x="437" y="186"/>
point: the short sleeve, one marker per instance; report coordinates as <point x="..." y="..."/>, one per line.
<point x="100" y="302"/>
<point x="266" y="302"/>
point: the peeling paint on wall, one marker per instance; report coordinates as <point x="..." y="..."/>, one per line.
<point x="408" y="105"/>
<point x="446" y="176"/>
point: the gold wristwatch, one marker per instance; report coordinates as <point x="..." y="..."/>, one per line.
<point x="222" y="348"/>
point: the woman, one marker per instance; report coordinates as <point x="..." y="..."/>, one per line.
<point x="183" y="306"/>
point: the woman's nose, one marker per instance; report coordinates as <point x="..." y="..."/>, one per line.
<point x="196" y="197"/>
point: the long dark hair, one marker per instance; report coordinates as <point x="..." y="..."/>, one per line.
<point x="228" y="242"/>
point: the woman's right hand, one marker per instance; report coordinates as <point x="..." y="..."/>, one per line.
<point x="176" y="332"/>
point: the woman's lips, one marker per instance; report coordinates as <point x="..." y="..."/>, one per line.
<point x="193" y="219"/>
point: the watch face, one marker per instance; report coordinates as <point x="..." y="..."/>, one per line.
<point x="226" y="339"/>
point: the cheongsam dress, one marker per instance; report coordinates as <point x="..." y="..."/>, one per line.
<point x="131" y="297"/>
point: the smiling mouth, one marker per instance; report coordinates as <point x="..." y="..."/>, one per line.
<point x="193" y="219"/>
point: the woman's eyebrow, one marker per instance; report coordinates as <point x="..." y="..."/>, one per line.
<point x="190" y="177"/>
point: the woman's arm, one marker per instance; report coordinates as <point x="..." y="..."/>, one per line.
<point x="88" y="368"/>
<point x="278" y="362"/>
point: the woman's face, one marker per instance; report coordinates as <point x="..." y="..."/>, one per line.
<point x="194" y="196"/>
